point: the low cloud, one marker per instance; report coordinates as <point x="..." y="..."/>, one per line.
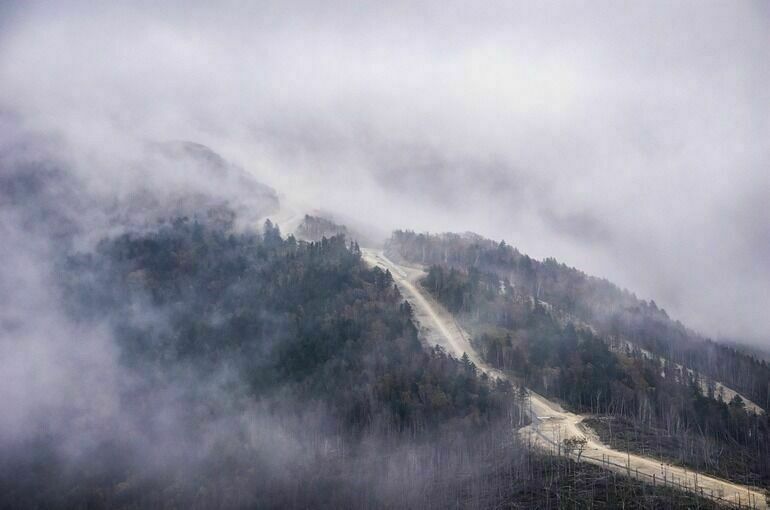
<point x="630" y="141"/>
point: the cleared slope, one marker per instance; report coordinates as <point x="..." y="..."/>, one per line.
<point x="726" y="392"/>
<point x="550" y="423"/>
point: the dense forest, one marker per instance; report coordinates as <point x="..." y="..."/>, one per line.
<point x="567" y="335"/>
<point x="306" y="316"/>
<point x="301" y="328"/>
<point x="613" y="312"/>
<point x="266" y="372"/>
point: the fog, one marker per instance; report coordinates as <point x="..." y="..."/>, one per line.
<point x="628" y="139"/>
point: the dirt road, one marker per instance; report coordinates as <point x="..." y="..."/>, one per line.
<point x="550" y="423"/>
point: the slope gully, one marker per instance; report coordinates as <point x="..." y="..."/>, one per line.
<point x="550" y="423"/>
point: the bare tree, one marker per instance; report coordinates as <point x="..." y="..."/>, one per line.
<point x="575" y="444"/>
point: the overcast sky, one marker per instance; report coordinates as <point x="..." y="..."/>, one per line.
<point x="629" y="139"/>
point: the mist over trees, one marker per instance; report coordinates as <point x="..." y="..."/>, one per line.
<point x="601" y="350"/>
<point x="234" y="324"/>
<point x="573" y="295"/>
<point x="254" y="370"/>
<point x="193" y="196"/>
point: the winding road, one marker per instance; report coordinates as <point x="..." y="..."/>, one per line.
<point x="551" y="424"/>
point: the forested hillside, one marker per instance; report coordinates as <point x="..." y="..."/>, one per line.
<point x="309" y="317"/>
<point x="558" y="330"/>
<point x="258" y="371"/>
<point x="304" y="330"/>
